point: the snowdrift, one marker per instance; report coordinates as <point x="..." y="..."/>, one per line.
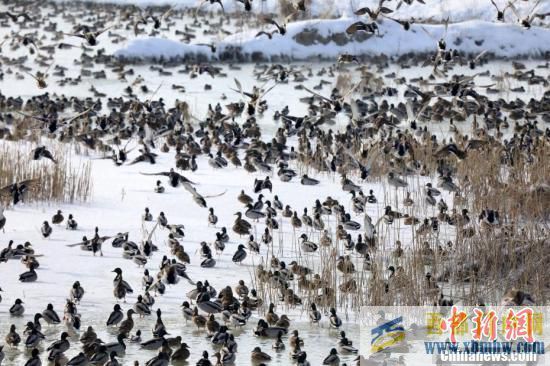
<point x="326" y="39"/>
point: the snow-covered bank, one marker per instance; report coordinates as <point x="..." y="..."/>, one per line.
<point x="433" y="10"/>
<point x="326" y="39"/>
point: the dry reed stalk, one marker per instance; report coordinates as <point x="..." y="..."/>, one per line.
<point x="67" y="181"/>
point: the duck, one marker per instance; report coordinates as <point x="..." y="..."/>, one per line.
<point x="345" y="265"/>
<point x="147" y="215"/>
<point x="253" y="213"/>
<point x="307" y="245"/>
<point x="162" y="220"/>
<point x="306" y="219"/>
<point x="395" y="181"/>
<point x="283" y="322"/>
<point x="119" y="347"/>
<point x="332" y="359"/>
<point x="307" y="181"/>
<point x="244" y="198"/>
<point x="335" y="321"/>
<point x="141" y="308"/>
<point x="77" y="292"/>
<point x="225" y="357"/>
<point x="187" y="311"/>
<point x="159" y="328"/>
<point x="258" y="355"/>
<point x="12" y="338"/>
<point x="36" y="321"/>
<point x="159" y="187"/>
<point x="301" y="359"/>
<point x="3" y="219"/>
<point x="429" y="199"/>
<point x="264" y="330"/>
<point x="153" y="344"/>
<point x="259" y="204"/>
<point x="127" y="324"/>
<point x="260" y="184"/>
<point x="121" y="287"/>
<point x="181" y="354"/>
<point x="46" y="229"/>
<point x="58" y="347"/>
<point x="350" y="224"/>
<point x="116" y="316"/>
<point x="253" y="245"/>
<point x="88" y="336"/>
<point x="314" y="314"/>
<point x="224" y="236"/>
<point x="408" y="201"/>
<point x="348" y="185"/>
<point x="271" y="317"/>
<point x="371" y="198"/>
<point x="33" y="361"/>
<point x="79" y="360"/>
<point x="119" y="240"/>
<point x="7" y="253"/>
<point x="295" y="340"/>
<point x="429" y="188"/>
<point x="204" y="361"/>
<point x="198" y="320"/>
<point x="239" y="255"/>
<point x="204" y="303"/>
<point x="112" y="360"/>
<point x="162" y="359"/>
<point x="58" y="218"/>
<point x="241" y="226"/>
<point x="279" y="345"/>
<point x="208" y="262"/>
<point x="212" y="218"/>
<point x="136" y="338"/>
<point x="221" y="336"/>
<point x="34" y="336"/>
<point x="50" y="315"/>
<point x="29" y="276"/>
<point x="345" y="346"/>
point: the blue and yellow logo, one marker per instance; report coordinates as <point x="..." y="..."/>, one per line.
<point x="387" y="335"/>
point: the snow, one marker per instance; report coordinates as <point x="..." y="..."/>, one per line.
<point x="470" y="37"/>
<point x="121" y="193"/>
<point x="433" y="11"/>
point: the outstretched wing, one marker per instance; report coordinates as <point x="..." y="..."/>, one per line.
<point x="166" y="174"/>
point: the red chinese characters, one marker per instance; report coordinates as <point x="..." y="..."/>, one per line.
<point x="454" y="322"/>
<point x="519" y="324"/>
<point x="484" y="325"/>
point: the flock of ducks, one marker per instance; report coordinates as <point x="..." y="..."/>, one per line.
<point x="382" y="139"/>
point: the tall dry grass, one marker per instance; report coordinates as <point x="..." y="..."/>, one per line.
<point x="477" y="268"/>
<point x="68" y="181"/>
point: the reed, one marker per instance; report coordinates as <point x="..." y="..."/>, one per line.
<point x="469" y="264"/>
<point x="68" y="181"/>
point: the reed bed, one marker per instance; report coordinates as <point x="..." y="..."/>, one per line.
<point x="68" y="181"/>
<point x="469" y="264"/>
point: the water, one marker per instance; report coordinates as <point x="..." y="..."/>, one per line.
<point x="318" y="339"/>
